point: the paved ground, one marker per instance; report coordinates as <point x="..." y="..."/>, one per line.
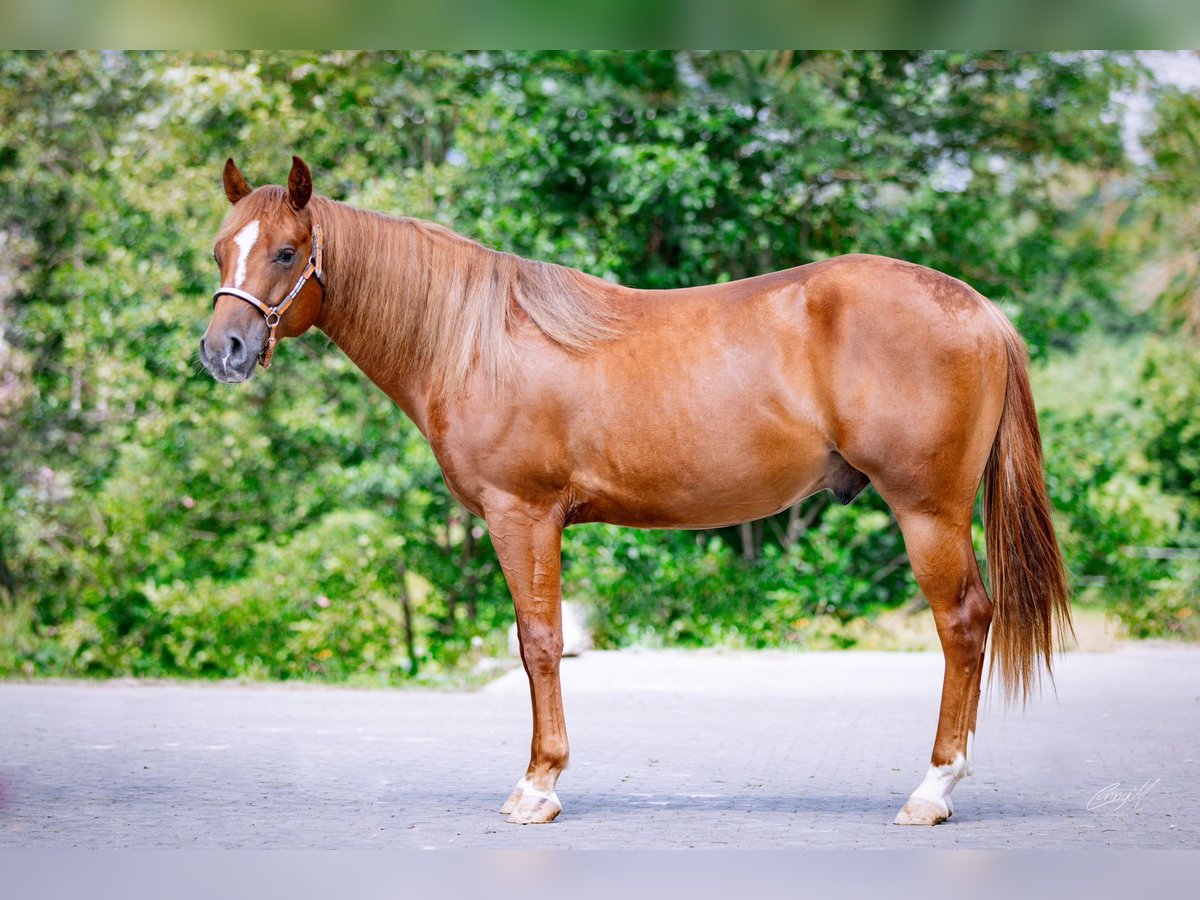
<point x="669" y="750"/>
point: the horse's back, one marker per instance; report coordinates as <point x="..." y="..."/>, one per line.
<point x="839" y="292"/>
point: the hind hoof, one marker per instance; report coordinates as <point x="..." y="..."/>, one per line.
<point x="918" y="811"/>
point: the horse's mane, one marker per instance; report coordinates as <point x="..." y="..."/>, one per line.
<point x="418" y="299"/>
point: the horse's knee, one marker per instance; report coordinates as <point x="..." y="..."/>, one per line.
<point x="541" y="648"/>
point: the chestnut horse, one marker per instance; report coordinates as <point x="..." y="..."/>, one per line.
<point x="551" y="398"/>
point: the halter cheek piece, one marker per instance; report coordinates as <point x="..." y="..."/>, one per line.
<point x="274" y="313"/>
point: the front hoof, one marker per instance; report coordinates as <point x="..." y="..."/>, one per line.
<point x="535" y="808"/>
<point x="513" y="799"/>
<point x="918" y="811"/>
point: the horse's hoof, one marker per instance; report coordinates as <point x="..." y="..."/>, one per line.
<point x="535" y="808"/>
<point x="921" y="812"/>
<point x="513" y="799"/>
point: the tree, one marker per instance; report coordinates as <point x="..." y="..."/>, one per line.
<point x="154" y="522"/>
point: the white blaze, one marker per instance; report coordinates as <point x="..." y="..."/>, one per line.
<point x="245" y="239"/>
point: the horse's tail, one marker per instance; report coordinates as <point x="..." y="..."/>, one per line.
<point x="1025" y="567"/>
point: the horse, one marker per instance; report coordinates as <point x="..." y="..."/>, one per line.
<point x="552" y="398"/>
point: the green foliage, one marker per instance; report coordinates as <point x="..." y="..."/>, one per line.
<point x="694" y="589"/>
<point x="1171" y="399"/>
<point x="668" y="170"/>
<point x="154" y="522"/>
<point x="1121" y="466"/>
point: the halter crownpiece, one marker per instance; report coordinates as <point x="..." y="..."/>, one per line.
<point x="273" y="314"/>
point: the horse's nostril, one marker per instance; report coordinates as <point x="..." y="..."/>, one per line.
<point x="237" y="349"/>
<point x="202" y="348"/>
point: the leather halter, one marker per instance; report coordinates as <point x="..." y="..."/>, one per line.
<point x="274" y="313"/>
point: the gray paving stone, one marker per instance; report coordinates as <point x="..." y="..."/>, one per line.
<point x="669" y="749"/>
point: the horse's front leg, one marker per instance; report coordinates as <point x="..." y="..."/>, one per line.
<point x="528" y="543"/>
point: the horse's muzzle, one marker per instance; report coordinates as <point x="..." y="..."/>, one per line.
<point x="229" y="358"/>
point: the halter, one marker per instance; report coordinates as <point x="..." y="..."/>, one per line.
<point x="274" y="313"/>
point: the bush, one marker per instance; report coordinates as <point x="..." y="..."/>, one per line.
<point x="693" y="588"/>
<point x="1121" y="462"/>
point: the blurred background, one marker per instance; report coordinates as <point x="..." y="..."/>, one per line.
<point x="156" y="523"/>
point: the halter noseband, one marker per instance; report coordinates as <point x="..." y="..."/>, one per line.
<point x="274" y="313"/>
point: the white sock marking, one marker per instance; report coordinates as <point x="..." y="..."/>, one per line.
<point x="245" y="239"/>
<point x="529" y="792"/>
<point x="940" y="781"/>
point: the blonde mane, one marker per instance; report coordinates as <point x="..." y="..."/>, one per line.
<point x="420" y="300"/>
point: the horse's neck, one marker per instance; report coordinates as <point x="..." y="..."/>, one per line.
<point x="410" y="394"/>
<point x="352" y="325"/>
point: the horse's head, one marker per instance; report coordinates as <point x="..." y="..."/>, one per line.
<point x="269" y="254"/>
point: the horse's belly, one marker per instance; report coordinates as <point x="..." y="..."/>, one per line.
<point x="659" y="512"/>
<point x="707" y="487"/>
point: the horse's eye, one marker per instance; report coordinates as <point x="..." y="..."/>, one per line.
<point x="217" y="260"/>
<point x="286" y="255"/>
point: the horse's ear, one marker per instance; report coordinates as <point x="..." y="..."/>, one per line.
<point x="299" y="184"/>
<point x="235" y="185"/>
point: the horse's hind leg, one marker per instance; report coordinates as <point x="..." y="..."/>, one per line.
<point x="529" y="546"/>
<point x="943" y="559"/>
